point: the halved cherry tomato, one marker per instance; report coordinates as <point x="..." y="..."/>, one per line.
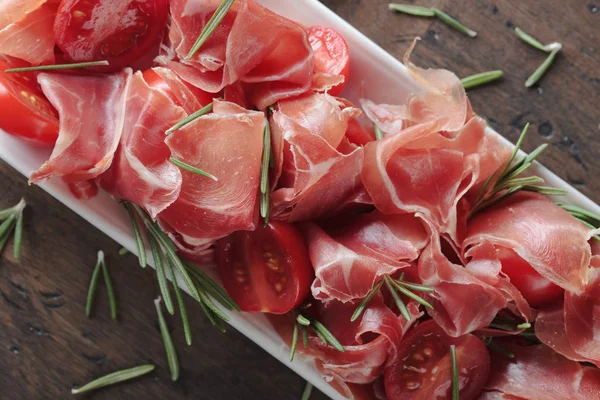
<point x="267" y="270"/>
<point x="119" y="31"/>
<point x="332" y="55"/>
<point x="536" y="289"/>
<point x="155" y="81"/>
<point x="24" y="110"/>
<point x="423" y="369"/>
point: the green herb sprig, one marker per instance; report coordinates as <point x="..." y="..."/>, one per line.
<point x="192" y="169"/>
<point x="307" y="391"/>
<point x="168" y="341"/>
<point x="203" y="111"/>
<point x="210" y="27"/>
<point x="587" y="218"/>
<point x="115" y="377"/>
<point x="481" y="78"/>
<point x="378" y="132"/>
<point x="101" y="266"/>
<point x="507" y="180"/>
<point x="420" y="11"/>
<point x="59" y="66"/>
<point x="265" y="190"/>
<point x="455" y="381"/>
<point x="12" y="221"/>
<point x="553" y="49"/>
<point x="396" y="287"/>
<point x="302" y="324"/>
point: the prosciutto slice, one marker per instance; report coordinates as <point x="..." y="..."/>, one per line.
<point x="553" y="242"/>
<point x="269" y="53"/>
<point x="184" y="95"/>
<point x="30" y="38"/>
<point x="351" y="258"/>
<point x="92" y="113"/>
<point x="12" y="11"/>
<point x="227" y="144"/>
<point x="141" y="171"/>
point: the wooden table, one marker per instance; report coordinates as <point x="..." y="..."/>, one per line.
<point x="46" y="342"/>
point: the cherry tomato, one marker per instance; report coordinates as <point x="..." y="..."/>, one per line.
<point x="536" y="289"/>
<point x="267" y="270"/>
<point x="24" y="110"/>
<point x="423" y="369"/>
<point x="332" y="55"/>
<point x="155" y="81"/>
<point x="118" y="31"/>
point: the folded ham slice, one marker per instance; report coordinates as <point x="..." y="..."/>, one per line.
<point x="12" y="11"/>
<point x="92" y="113"/>
<point x="228" y="145"/>
<point x="141" y="171"/>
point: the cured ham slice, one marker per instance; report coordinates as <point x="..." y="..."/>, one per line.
<point x="92" y="113"/>
<point x="269" y="53"/>
<point x="184" y="95"/>
<point x="31" y="38"/>
<point x="12" y="11"/>
<point x="353" y="257"/>
<point x="553" y="242"/>
<point x="141" y="171"/>
<point x="228" y="145"/>
<point x="538" y="373"/>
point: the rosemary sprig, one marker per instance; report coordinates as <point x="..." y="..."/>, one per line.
<point x="192" y="169"/>
<point x="203" y="111"/>
<point x="410" y="9"/>
<point x="101" y="266"/>
<point x="481" y="78"/>
<point x="112" y="302"/>
<point x="378" y="132"/>
<point x="552" y="48"/>
<point x="115" y="377"/>
<point x="507" y="180"/>
<point x="455" y="381"/>
<point x="182" y="310"/>
<point x="395" y="286"/>
<point x="139" y="239"/>
<point x="264" y="174"/>
<point x="302" y="323"/>
<point x="527" y="38"/>
<point x="307" y="391"/>
<point x="587" y="218"/>
<point x="453" y="23"/>
<point x="212" y="24"/>
<point x="159" y="263"/>
<point x="59" y="66"/>
<point x="168" y="341"/>
<point x="123" y="251"/>
<point x="12" y="222"/>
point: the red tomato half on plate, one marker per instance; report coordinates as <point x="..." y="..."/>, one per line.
<point x="332" y="55"/>
<point x="267" y="270"/>
<point x="423" y="369"/>
<point x="118" y="31"/>
<point x="24" y="110"/>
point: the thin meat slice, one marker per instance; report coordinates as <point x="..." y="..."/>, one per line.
<point x="141" y="171"/>
<point x="553" y="242"/>
<point x="228" y="145"/>
<point x="13" y="11"/>
<point x="32" y="37"/>
<point x="92" y="113"/>
<point x="184" y="95"/>
<point x="351" y="258"/>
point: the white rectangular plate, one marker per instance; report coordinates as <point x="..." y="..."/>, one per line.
<point x="376" y="75"/>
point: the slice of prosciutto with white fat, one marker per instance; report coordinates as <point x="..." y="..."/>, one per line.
<point x="141" y="171"/>
<point x="92" y="113"/>
<point x="351" y="258"/>
<point x="227" y="144"/>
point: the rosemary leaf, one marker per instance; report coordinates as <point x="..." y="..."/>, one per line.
<point x="307" y="391"/>
<point x="7" y="226"/>
<point x="123" y="251"/>
<point x="59" y="66"/>
<point x="453" y="23"/>
<point x="264" y="169"/>
<point x="212" y="288"/>
<point x="524" y="181"/>
<point x="455" y="381"/>
<point x="3" y="241"/>
<point x="294" y="343"/>
<point x="542" y="69"/>
<point x="329" y="338"/>
<point x="547" y="190"/>
<point x="93" y="284"/>
<point x="378" y="132"/>
<point x="410" y="294"/>
<point x="399" y="303"/>
<point x="139" y="239"/>
<point x="169" y="346"/>
<point x="159" y="264"/>
<point x="524" y="325"/>
<point x="527" y="38"/>
<point x="417" y="11"/>
<point x="515" y="150"/>
<point x="302" y="320"/>
<point x="265" y="207"/>
<point x="499" y="349"/>
<point x="192" y="169"/>
<point x="366" y="300"/>
<point x="304" y="330"/>
<point x="211" y="316"/>
<point x="481" y="78"/>
<point x="115" y="377"/>
<point x="204" y="110"/>
<point x="18" y="234"/>
<point x="416" y="286"/>
<point x="576" y="210"/>
<point x="110" y="290"/>
<point x="534" y="154"/>
<point x="209" y="28"/>
<point x="182" y="310"/>
<point x="211" y="305"/>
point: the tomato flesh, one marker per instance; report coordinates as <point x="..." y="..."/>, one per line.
<point x="24" y="110"/>
<point x="119" y="31"/>
<point x="331" y="54"/>
<point x="423" y="369"/>
<point x="535" y="288"/>
<point x="266" y="270"/>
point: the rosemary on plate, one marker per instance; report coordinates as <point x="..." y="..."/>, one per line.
<point x="265" y="190"/>
<point x="168" y="341"/>
<point x="12" y="221"/>
<point x="455" y="380"/>
<point x="378" y="132"/>
<point x="396" y="287"/>
<point x="552" y="48"/>
<point x="203" y="111"/>
<point x="101" y="266"/>
<point x="420" y="11"/>
<point x="507" y="180"/>
<point x="587" y="218"/>
<point x="59" y="66"/>
<point x="210" y="27"/>
<point x="301" y="325"/>
<point x="115" y="377"/>
<point x="481" y="78"/>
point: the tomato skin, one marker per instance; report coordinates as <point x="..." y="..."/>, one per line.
<point x="155" y="81"/>
<point x="423" y="369"/>
<point x="266" y="270"/>
<point x="535" y="288"/>
<point x="119" y="31"/>
<point x="331" y="54"/>
<point x="24" y="110"/>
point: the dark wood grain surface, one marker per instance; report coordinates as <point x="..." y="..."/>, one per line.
<point x="46" y="343"/>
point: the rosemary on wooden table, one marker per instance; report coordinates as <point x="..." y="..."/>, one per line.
<point x="55" y="67"/>
<point x="115" y="377"/>
<point x="12" y="221"/>
<point x="301" y="325"/>
<point x="307" y="391"/>
<point x="420" y="11"/>
<point x="168" y="341"/>
<point x="481" y="78"/>
<point x="101" y="266"/>
<point x="553" y="49"/>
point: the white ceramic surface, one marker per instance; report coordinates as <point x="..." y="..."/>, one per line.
<point x="376" y="75"/>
